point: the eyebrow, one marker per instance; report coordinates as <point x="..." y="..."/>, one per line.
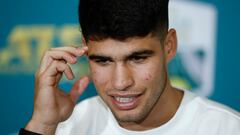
<point x="141" y="53"/>
<point x="144" y="52"/>
<point x="100" y="57"/>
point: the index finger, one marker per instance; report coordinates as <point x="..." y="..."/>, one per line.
<point x="68" y="54"/>
<point x="77" y="51"/>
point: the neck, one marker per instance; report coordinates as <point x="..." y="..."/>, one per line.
<point x="163" y="111"/>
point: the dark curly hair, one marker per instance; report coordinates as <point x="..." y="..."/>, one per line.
<point x="122" y="19"/>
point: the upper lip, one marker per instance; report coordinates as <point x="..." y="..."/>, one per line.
<point x="125" y="94"/>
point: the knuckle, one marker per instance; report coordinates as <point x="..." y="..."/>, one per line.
<point x="46" y="53"/>
<point x="65" y="67"/>
<point x="39" y="75"/>
<point x="56" y="62"/>
<point x="63" y="61"/>
<point x="40" y="79"/>
<point x="60" y="64"/>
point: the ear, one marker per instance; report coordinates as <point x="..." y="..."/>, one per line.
<point x="84" y="43"/>
<point x="170" y="45"/>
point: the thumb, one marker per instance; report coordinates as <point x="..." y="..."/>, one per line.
<point x="78" y="88"/>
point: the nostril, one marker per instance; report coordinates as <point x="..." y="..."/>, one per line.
<point x="122" y="84"/>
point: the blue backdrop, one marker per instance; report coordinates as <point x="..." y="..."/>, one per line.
<point x="22" y="19"/>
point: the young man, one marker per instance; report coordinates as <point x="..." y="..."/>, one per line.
<point x="128" y="44"/>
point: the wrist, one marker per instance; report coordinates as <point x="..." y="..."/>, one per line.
<point x="41" y="128"/>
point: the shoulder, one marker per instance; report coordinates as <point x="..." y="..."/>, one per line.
<point x="215" y="116"/>
<point x="205" y="115"/>
<point x="203" y="106"/>
<point x="212" y="107"/>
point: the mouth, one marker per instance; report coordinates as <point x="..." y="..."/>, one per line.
<point x="126" y="102"/>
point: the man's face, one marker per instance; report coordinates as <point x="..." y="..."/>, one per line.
<point x="128" y="75"/>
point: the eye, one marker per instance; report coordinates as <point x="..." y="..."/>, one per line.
<point x="102" y="62"/>
<point x="138" y="59"/>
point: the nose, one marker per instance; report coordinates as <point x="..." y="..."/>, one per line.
<point x="122" y="77"/>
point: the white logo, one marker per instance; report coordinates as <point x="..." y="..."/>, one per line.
<point x="194" y="65"/>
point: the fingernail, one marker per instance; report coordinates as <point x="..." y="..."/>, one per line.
<point x="80" y="51"/>
<point x="85" y="48"/>
<point x="81" y="85"/>
<point x="74" y="59"/>
<point x="84" y="80"/>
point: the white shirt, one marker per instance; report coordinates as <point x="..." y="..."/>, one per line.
<point x="195" y="116"/>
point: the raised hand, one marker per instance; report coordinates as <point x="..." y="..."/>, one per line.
<point x="51" y="104"/>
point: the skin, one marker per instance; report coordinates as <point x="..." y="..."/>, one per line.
<point x="51" y="104"/>
<point x="136" y="67"/>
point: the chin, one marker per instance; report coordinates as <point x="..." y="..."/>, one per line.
<point x="129" y="115"/>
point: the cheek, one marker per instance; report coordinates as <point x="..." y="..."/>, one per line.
<point x="153" y="73"/>
<point x="100" y="77"/>
<point x="147" y="77"/>
<point x="94" y="75"/>
<point x="146" y="74"/>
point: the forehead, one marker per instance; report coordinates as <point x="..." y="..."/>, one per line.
<point x="112" y="47"/>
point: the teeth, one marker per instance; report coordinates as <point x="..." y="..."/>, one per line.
<point x="123" y="99"/>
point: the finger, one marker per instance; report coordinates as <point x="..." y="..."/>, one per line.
<point x="77" y="51"/>
<point x="78" y="88"/>
<point x="55" y="69"/>
<point x="58" y="78"/>
<point x="50" y="56"/>
<point x="61" y="53"/>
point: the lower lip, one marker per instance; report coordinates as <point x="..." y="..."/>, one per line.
<point x="128" y="105"/>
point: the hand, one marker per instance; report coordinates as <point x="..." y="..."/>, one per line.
<point x="51" y="104"/>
